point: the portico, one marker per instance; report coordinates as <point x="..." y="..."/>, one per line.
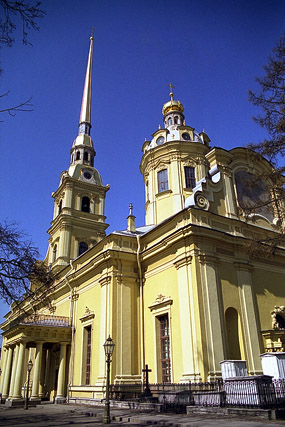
<point x="46" y="340"/>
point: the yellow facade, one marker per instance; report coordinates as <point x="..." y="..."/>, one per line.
<point x="181" y="294"/>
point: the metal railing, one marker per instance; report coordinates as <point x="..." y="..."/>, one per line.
<point x="46" y="320"/>
<point x="258" y="392"/>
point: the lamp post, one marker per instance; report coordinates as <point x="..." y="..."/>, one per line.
<point x="108" y="348"/>
<point x="30" y="367"/>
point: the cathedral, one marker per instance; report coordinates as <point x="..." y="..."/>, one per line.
<point x="180" y="294"/>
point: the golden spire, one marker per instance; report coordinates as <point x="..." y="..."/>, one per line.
<point x="85" y="114"/>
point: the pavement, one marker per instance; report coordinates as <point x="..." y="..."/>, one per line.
<point x="86" y="416"/>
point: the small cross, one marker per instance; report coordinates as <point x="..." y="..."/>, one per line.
<point x="147" y="389"/>
<point x="92" y="30"/>
<point x="171" y="87"/>
<point x="171" y="93"/>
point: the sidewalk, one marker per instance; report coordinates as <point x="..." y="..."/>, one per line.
<point x="83" y="416"/>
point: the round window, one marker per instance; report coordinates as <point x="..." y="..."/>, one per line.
<point x="87" y="175"/>
<point x="160" y="140"/>
<point x="186" y="136"/>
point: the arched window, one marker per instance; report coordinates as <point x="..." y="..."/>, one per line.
<point x="59" y="207"/>
<point x="175" y="120"/>
<point x="170" y="121"/>
<point x="233" y="334"/>
<point x="85" y="204"/>
<point x="54" y="256"/>
<point x="162" y="179"/>
<point x="82" y="248"/>
<point x="253" y="194"/>
<point x="86" y="156"/>
<point x="77" y="155"/>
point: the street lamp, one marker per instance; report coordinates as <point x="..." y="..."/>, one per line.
<point x="30" y="367"/>
<point x="108" y="348"/>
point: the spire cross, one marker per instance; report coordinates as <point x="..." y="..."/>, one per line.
<point x="92" y="31"/>
<point x="171" y="93"/>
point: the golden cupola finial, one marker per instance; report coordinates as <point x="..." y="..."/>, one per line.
<point x="171" y="94"/>
<point x="172" y="105"/>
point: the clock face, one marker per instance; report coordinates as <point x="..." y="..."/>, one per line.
<point x="186" y="136"/>
<point x="160" y="140"/>
<point x="87" y="175"/>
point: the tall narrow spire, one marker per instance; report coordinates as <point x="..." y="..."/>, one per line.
<point x="85" y="114"/>
<point x="82" y="151"/>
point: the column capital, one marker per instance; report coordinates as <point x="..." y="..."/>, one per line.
<point x="183" y="261"/>
<point x="105" y="281"/>
<point x="243" y="265"/>
<point x="208" y="259"/>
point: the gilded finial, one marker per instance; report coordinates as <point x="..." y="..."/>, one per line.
<point x="159" y="127"/>
<point x="92" y="30"/>
<point x="171" y="94"/>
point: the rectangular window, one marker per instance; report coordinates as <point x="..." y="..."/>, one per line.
<point x="190" y="180"/>
<point x="165" y="349"/>
<point x="88" y="354"/>
<point x="162" y="178"/>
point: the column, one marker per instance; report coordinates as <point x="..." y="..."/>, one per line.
<point x="64" y="243"/>
<point x="101" y="206"/>
<point x="213" y="312"/>
<point x="17" y="391"/>
<point x="68" y="196"/>
<point x="189" y="315"/>
<point x="249" y="316"/>
<point x="47" y="372"/>
<point x="42" y="375"/>
<point x="3" y="366"/>
<point x="37" y="371"/>
<point x="14" y="369"/>
<point x="175" y="180"/>
<point x="105" y="283"/>
<point x="61" y="373"/>
<point x="6" y="381"/>
<point x="126" y="358"/>
<point x="92" y="205"/>
<point x="230" y="198"/>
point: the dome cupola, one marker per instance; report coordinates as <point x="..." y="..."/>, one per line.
<point x="173" y="111"/>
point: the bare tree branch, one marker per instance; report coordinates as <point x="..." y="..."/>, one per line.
<point x="28" y="14"/>
<point x="23" y="106"/>
<point x="19" y="265"/>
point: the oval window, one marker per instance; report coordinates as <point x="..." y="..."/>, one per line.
<point x="186" y="136"/>
<point x="160" y="140"/>
<point x="87" y="175"/>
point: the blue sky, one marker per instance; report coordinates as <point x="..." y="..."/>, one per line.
<point x="210" y="50"/>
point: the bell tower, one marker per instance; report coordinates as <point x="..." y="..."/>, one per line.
<point x="173" y="162"/>
<point x="78" y="220"/>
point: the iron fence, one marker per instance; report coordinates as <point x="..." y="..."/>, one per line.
<point x="250" y="392"/>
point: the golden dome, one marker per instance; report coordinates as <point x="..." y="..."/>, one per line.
<point x="172" y="106"/>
